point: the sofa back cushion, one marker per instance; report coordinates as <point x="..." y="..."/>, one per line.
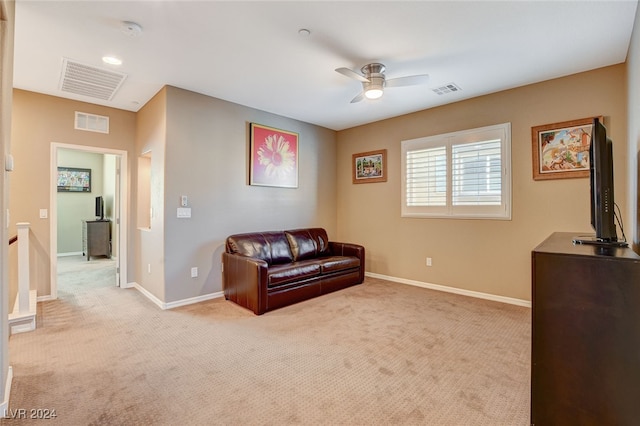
<point x="308" y="243"/>
<point x="272" y="247"/>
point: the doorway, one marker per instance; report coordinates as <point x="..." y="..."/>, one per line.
<point x="118" y="209"/>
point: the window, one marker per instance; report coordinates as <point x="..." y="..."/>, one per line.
<point x="463" y="174"/>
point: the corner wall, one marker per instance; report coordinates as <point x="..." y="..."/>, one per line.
<point x="633" y="153"/>
<point x="7" y="20"/>
<point x="487" y="256"/>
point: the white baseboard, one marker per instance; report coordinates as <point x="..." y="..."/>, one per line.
<point x="163" y="305"/>
<point x="463" y="292"/>
<point x="4" y="406"/>
<point x="21" y="323"/>
<point x="71" y="253"/>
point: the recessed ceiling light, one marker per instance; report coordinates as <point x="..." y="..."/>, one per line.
<point x="304" y="32"/>
<point x="111" y="60"/>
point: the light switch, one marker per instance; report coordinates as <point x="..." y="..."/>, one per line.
<point x="43" y="213"/>
<point x="184" y="212"/>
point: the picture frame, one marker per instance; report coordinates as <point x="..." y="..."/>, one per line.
<point x="369" y="167"/>
<point x="73" y="179"/>
<point x="561" y="150"/>
<point x="274" y="157"/>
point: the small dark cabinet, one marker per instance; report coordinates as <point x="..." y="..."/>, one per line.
<point x="585" y="334"/>
<point x="96" y="238"/>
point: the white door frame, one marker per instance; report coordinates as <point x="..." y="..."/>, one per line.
<point x="120" y="215"/>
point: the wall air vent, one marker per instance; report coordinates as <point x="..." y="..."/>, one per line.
<point x="91" y="122"/>
<point x="87" y="80"/>
<point x="447" y="88"/>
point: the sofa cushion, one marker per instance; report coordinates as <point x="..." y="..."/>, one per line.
<point x="290" y="272"/>
<point x="338" y="263"/>
<point x="272" y="247"/>
<point x="308" y="243"/>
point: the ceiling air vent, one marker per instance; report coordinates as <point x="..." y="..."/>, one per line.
<point x="87" y="80"/>
<point x="91" y="122"/>
<point x="447" y="88"/>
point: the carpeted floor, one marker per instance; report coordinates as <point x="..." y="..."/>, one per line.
<point x="375" y="354"/>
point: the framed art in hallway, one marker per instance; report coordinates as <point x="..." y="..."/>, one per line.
<point x="71" y="179"/>
<point x="561" y="150"/>
<point x="369" y="167"/>
<point x="274" y="157"/>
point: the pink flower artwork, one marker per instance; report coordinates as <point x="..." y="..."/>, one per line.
<point x="274" y="157"/>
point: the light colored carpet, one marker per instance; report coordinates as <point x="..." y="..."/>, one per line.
<point x="374" y="354"/>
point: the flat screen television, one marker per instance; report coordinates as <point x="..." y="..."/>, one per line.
<point x="99" y="208"/>
<point x="601" y="190"/>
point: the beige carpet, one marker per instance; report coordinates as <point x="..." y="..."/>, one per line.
<point x="375" y="354"/>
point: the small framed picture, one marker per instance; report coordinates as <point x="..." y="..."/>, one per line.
<point x="561" y="150"/>
<point x="369" y="167"/>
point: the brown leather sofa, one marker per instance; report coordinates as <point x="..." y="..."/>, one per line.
<point x="263" y="271"/>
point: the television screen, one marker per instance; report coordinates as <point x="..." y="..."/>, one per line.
<point x="99" y="208"/>
<point x="601" y="189"/>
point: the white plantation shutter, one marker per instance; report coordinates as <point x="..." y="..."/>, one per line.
<point x="476" y="173"/>
<point x="463" y="174"/>
<point x="427" y="177"/>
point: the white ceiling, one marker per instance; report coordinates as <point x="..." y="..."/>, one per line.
<point x="251" y="53"/>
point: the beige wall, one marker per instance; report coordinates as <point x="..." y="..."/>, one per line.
<point x="633" y="153"/>
<point x="7" y="19"/>
<point x="38" y="121"/>
<point x="148" y="265"/>
<point x="488" y="256"/>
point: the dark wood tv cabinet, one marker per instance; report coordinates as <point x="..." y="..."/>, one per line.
<point x="96" y="238"/>
<point x="585" y="334"/>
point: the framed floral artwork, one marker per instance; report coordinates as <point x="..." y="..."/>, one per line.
<point x="369" y="167"/>
<point x="561" y="150"/>
<point x="274" y="157"/>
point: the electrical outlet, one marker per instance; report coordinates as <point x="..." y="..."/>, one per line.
<point x="429" y="263"/>
<point x="194" y="272"/>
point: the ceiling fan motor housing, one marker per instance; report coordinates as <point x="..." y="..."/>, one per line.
<point x="373" y="89"/>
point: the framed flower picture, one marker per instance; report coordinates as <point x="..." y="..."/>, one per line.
<point x="274" y="157"/>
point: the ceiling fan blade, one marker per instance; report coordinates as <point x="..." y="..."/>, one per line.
<point x="358" y="98"/>
<point x="411" y="80"/>
<point x="352" y="74"/>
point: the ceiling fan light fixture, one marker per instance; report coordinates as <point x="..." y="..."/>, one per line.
<point x="373" y="93"/>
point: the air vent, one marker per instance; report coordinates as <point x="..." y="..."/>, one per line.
<point x="87" y="80"/>
<point x="91" y="122"/>
<point x="447" y="88"/>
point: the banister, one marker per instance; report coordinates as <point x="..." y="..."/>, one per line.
<point x="13" y="239"/>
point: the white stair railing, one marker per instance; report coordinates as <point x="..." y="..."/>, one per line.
<point x="23" y="317"/>
<point x="23" y="267"/>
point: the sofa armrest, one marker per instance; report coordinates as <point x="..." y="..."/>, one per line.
<point x="244" y="280"/>
<point x="349" y="249"/>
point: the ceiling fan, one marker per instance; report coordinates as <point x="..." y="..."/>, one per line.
<point x="373" y="80"/>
